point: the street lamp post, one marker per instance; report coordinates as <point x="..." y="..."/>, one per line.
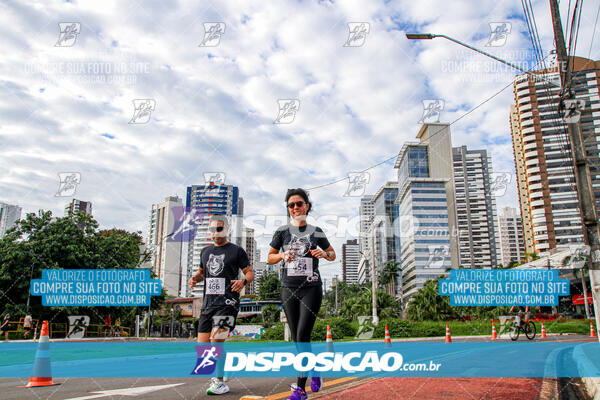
<point x="172" y="313"/>
<point x="429" y="36"/>
<point x="373" y="289"/>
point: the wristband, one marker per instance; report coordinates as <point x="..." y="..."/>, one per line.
<point x="245" y="281"/>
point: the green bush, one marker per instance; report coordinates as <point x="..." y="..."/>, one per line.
<point x="580" y="327"/>
<point x="399" y="328"/>
<point x="275" y="332"/>
<point x="340" y="327"/>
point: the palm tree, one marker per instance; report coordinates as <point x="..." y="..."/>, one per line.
<point x="387" y="279"/>
<point x="427" y="304"/>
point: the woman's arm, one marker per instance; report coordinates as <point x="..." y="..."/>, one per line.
<point x="275" y="256"/>
<point x="328" y="253"/>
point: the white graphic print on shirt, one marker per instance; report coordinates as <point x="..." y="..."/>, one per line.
<point x="300" y="266"/>
<point x="300" y="244"/>
<point x="216" y="264"/>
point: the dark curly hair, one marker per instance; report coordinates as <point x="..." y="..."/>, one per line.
<point x="300" y="192"/>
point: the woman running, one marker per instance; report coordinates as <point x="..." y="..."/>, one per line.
<point x="301" y="286"/>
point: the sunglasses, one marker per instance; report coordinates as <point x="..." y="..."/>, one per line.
<point x="296" y="203"/>
<point x="216" y="228"/>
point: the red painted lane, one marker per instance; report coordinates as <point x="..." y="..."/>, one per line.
<point x="443" y="388"/>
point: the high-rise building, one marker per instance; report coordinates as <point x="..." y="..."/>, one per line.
<point x="249" y="245"/>
<point x="545" y="173"/>
<point x="350" y="260"/>
<point x="366" y="215"/>
<point x="382" y="241"/>
<point x="475" y="208"/>
<point x="261" y="268"/>
<point x="78" y="205"/>
<point x="511" y="246"/>
<point x="166" y="254"/>
<point x="427" y="215"/>
<point x="9" y="214"/>
<point x="207" y="200"/>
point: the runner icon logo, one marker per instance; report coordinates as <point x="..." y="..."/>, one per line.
<point x="207" y="359"/>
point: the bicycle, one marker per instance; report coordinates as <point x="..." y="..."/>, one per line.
<point x="518" y="325"/>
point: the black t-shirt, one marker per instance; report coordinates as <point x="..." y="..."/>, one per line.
<point x="221" y="265"/>
<point x="304" y="270"/>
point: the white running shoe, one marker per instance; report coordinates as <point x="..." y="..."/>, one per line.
<point x="217" y="387"/>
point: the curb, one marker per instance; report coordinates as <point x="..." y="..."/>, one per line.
<point x="588" y="371"/>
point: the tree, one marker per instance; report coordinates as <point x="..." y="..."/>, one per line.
<point x="360" y="303"/>
<point x="427" y="304"/>
<point x="40" y="241"/>
<point x="270" y="287"/>
<point x="388" y="275"/>
<point x="270" y="313"/>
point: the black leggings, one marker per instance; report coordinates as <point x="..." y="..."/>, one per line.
<point x="301" y="306"/>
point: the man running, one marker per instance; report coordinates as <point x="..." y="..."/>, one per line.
<point x="219" y="269"/>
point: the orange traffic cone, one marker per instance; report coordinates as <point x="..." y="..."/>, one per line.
<point x="448" y="338"/>
<point x="388" y="339"/>
<point x="494" y="334"/>
<point x="543" y="331"/>
<point x="42" y="373"/>
<point x="329" y="339"/>
<point x="592" y="330"/>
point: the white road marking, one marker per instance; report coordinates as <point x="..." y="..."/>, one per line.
<point x="134" y="391"/>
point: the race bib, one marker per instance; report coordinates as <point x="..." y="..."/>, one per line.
<point x="215" y="285"/>
<point x="301" y="266"/>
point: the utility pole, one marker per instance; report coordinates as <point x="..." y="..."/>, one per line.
<point x="373" y="288"/>
<point x="582" y="173"/>
<point x="336" y="294"/>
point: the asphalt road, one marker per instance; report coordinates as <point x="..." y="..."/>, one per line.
<point x="334" y="388"/>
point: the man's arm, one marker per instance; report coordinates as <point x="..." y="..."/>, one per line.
<point x="237" y="285"/>
<point x="197" y="278"/>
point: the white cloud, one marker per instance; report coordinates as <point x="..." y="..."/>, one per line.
<point x="215" y="106"/>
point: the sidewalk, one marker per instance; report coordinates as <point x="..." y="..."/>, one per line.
<point x="441" y="388"/>
<point x="588" y="363"/>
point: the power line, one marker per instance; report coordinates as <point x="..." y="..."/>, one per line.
<point x="594" y="31"/>
<point x="432" y="135"/>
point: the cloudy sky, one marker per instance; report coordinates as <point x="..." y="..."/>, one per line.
<point x="67" y="101"/>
